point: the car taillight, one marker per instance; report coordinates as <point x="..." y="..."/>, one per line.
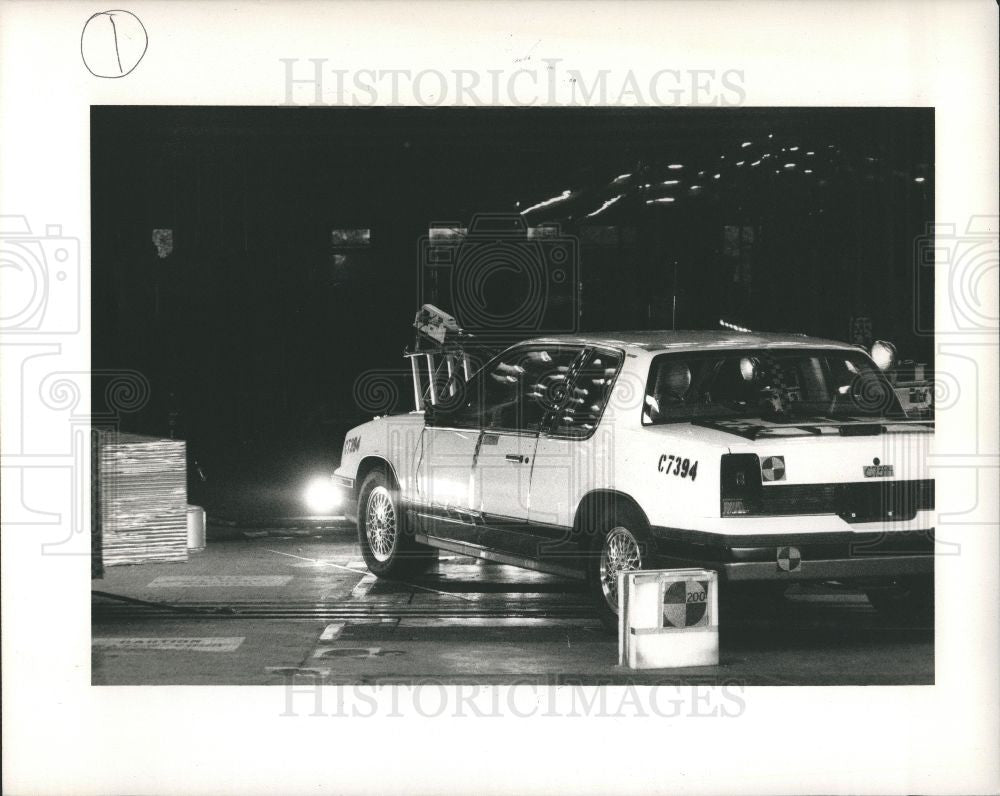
<point x="740" y="486"/>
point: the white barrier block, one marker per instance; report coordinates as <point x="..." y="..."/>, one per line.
<point x="668" y="618"/>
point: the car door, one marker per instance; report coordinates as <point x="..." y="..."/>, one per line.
<point x="445" y="461"/>
<point x="573" y="453"/>
<point x="519" y="390"/>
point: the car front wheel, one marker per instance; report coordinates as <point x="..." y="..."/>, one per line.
<point x="616" y="550"/>
<point x="386" y="545"/>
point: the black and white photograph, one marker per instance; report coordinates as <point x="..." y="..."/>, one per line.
<point x="408" y="392"/>
<point x="448" y="397"/>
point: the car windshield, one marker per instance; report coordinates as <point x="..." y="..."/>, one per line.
<point x="781" y="385"/>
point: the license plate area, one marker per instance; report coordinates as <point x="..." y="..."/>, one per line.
<point x="896" y="501"/>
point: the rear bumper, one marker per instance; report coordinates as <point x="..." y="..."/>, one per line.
<point x="833" y="569"/>
<point x="796" y="557"/>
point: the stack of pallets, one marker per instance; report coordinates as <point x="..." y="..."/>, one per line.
<point x="143" y="499"/>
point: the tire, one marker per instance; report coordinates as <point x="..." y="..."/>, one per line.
<point x="908" y="602"/>
<point x="615" y="547"/>
<point x="386" y="543"/>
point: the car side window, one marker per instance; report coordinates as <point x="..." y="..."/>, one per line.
<point x="582" y="409"/>
<point x="460" y="410"/>
<point x="518" y="389"/>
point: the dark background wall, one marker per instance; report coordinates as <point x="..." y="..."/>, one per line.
<point x="253" y="324"/>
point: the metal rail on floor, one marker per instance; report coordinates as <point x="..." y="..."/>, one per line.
<point x="312" y="611"/>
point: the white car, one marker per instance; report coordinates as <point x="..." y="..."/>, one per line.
<point x="770" y="458"/>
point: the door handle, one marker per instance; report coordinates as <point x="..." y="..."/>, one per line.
<point x="517" y="459"/>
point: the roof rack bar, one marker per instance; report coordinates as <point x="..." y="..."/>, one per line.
<point x="418" y="397"/>
<point x="432" y="390"/>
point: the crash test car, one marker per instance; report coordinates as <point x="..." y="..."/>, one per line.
<point x="769" y="458"/>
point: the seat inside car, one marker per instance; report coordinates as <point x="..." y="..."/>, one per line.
<point x="670" y="388"/>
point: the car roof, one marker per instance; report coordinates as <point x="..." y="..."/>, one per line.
<point x="666" y="339"/>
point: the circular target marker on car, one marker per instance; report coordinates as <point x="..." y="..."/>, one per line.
<point x="789" y="559"/>
<point x="685" y="604"/>
<point x="772" y="468"/>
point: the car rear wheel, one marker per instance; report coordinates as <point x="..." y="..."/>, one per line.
<point x="615" y="550"/>
<point x="386" y="543"/>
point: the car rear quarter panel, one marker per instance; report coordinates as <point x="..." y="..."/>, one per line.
<point x="647" y="463"/>
<point x="671" y="473"/>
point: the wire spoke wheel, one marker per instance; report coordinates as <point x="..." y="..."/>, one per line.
<point x="620" y="553"/>
<point x="380" y="524"/>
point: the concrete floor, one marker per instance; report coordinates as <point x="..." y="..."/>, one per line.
<point x="268" y="610"/>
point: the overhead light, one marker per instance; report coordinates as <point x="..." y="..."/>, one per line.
<point x="789" y="165"/>
<point x="676" y="166"/>
<point x="670" y="182"/>
<point x="807" y="171"/>
<point x="661" y="200"/>
<point x="740" y="162"/>
<point x="770" y="135"/>
<point x="745" y="144"/>
<point x="793" y="149"/>
<point x="733" y="326"/>
<point x="547" y="202"/>
<point x="810" y="153"/>
<point x="701" y="174"/>
<point x="716" y="176"/>
<point x="622" y="177"/>
<point x="606" y="205"/>
<point x="755" y="163"/>
<point x="918" y="179"/>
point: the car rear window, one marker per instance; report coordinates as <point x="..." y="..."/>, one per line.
<point x="768" y="383"/>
